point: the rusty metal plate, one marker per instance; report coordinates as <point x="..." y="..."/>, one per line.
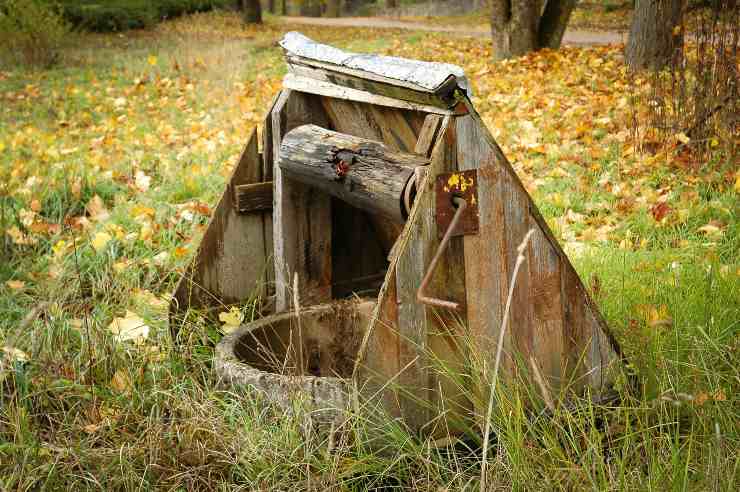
<point x="463" y="184"/>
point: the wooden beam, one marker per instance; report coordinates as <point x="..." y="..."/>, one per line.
<point x="363" y="173"/>
<point x="305" y="79"/>
<point x="301" y="214"/>
<point x="253" y="197"/>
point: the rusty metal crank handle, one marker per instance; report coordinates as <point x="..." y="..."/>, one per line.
<point x="420" y="295"/>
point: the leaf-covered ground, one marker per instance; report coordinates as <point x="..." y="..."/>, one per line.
<point x="111" y="162"/>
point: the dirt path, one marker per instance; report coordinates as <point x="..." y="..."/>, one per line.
<point x="573" y="37"/>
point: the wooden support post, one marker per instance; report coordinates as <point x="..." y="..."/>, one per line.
<point x="363" y="173"/>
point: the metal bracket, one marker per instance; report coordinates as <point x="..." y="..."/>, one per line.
<point x="461" y="184"/>
<point x="457" y="215"/>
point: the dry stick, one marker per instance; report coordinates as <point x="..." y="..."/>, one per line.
<point x="487" y="433"/>
<point x="297" y="308"/>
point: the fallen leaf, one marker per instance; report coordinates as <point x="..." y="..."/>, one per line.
<point x="15" y="284"/>
<point x="96" y="209"/>
<point x="660" y="210"/>
<point x="14" y="354"/>
<point x="100" y="241"/>
<point x="152" y="60"/>
<point x="142" y="181"/>
<point x="231" y="319"/>
<point x="130" y="327"/>
<point x="121" y="381"/>
<point x="92" y="428"/>
<point x="710" y="230"/>
<point x="655" y="316"/>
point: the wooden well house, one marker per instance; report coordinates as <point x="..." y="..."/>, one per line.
<point x="376" y="179"/>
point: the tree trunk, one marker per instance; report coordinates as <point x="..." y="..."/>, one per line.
<point x="391" y="4"/>
<point x="521" y="26"/>
<point x="332" y="8"/>
<point x="271" y="6"/>
<point x="251" y="11"/>
<point x="311" y="8"/>
<point x="653" y="38"/>
<point x="553" y="23"/>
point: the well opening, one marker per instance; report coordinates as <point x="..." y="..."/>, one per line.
<point x="320" y="341"/>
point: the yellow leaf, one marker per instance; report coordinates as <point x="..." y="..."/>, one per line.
<point x="19" y="237"/>
<point x="737" y="183"/>
<point x="152" y="60"/>
<point x="15" y="354"/>
<point x="2" y="146"/>
<point x="92" y="428"/>
<point x="683" y="138"/>
<point x="655" y="316"/>
<point x="146" y="232"/>
<point x="710" y="230"/>
<point x="130" y="327"/>
<point x="100" y="241"/>
<point x="15" y="284"/>
<point x="96" y="209"/>
<point x="121" y="382"/>
<point x="142" y="181"/>
<point x="231" y="319"/>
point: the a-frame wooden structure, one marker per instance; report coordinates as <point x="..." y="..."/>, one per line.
<point x="269" y="227"/>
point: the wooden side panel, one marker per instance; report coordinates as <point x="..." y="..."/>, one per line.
<point x="576" y="332"/>
<point x="547" y="307"/>
<point x="428" y="132"/>
<point x="516" y="225"/>
<point x="488" y="281"/>
<point x="301" y="214"/>
<point x="553" y="318"/>
<point x="219" y="274"/>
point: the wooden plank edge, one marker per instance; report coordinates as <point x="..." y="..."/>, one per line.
<point x="322" y="88"/>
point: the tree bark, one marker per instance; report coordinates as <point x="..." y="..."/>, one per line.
<point x="653" y="39"/>
<point x="363" y="173"/>
<point x="311" y="8"/>
<point x="251" y="11"/>
<point x="521" y="26"/>
<point x="332" y="8"/>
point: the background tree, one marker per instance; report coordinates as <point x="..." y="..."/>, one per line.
<point x="521" y="26"/>
<point x="251" y="11"/>
<point x="310" y="8"/>
<point x="332" y="8"/>
<point x="655" y="33"/>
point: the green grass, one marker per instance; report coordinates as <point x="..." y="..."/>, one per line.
<point x="87" y="412"/>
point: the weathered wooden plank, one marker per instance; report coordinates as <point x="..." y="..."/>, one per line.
<point x="355" y="118"/>
<point x="422" y="328"/>
<point x="364" y="173"/>
<point x="395" y="128"/>
<point x="301" y="215"/>
<point x="576" y="333"/>
<point x="516" y="225"/>
<point x="575" y="323"/>
<point x="218" y="275"/>
<point x="488" y="282"/>
<point x="443" y="97"/>
<point x="255" y="197"/>
<point x="425" y="142"/>
<point x="310" y="80"/>
<point x="547" y="307"/>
